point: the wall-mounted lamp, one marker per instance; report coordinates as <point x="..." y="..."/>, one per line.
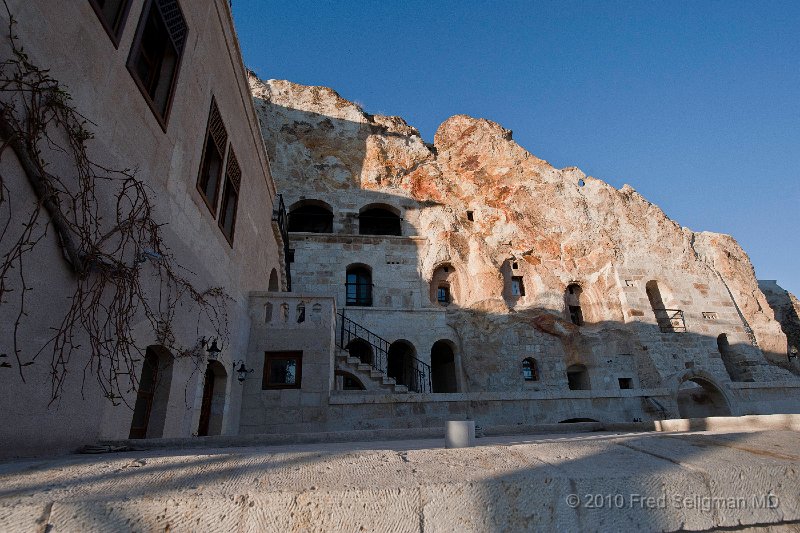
<point x="792" y="353"/>
<point x="213" y="351"/>
<point x="242" y="371"/>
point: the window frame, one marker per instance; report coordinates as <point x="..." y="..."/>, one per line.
<point x="137" y="39"/>
<point x="358" y="301"/>
<point x="234" y="181"/>
<point x="297" y="355"/>
<point x="521" y="285"/>
<point x="222" y="168"/>
<point x="530" y="362"/>
<point x="115" y="36"/>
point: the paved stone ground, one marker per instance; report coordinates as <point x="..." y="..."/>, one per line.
<point x="592" y="482"/>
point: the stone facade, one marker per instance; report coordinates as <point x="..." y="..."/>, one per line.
<point x="69" y="39"/>
<point x="459" y="279"/>
<point x="671" y="321"/>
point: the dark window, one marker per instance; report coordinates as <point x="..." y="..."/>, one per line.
<point x="156" y="54"/>
<point x="211" y="166"/>
<point x="517" y="286"/>
<point x="443" y="294"/>
<point x="573" y="302"/>
<point x="359" y="286"/>
<point x="230" y="197"/>
<point x="625" y="383"/>
<point x="378" y="221"/>
<point x="112" y="14"/>
<point x="312" y="219"/>
<point x="470" y="216"/>
<point x="530" y="370"/>
<point x="578" y="378"/>
<point x="576" y="315"/>
<point x="282" y="370"/>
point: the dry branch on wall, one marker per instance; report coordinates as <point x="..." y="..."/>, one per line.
<point x="109" y="246"/>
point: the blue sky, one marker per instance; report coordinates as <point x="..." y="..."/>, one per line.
<point x="694" y="104"/>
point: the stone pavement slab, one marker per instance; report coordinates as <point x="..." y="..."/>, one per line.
<point x="592" y="482"/>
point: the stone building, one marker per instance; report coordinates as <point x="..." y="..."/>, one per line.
<point x="165" y="89"/>
<point x="469" y="279"/>
<point x="392" y="284"/>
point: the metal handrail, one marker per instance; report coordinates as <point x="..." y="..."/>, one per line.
<point x="672" y="320"/>
<point x="418" y="372"/>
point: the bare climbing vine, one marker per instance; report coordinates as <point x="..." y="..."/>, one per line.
<point x="124" y="274"/>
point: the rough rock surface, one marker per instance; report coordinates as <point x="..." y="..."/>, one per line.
<point x="559" y="225"/>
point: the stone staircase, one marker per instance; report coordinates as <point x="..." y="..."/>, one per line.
<point x="372" y="379"/>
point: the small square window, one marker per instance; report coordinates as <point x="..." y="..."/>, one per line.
<point x="470" y="216"/>
<point x="517" y="286"/>
<point x="112" y="15"/>
<point x="156" y="54"/>
<point x="282" y="370"/>
<point x="625" y="383"/>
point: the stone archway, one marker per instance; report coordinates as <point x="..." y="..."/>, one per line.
<point x="699" y="397"/>
<point x="400" y="362"/>
<point x="152" y="395"/>
<point x="212" y="408"/>
<point x="443" y="367"/>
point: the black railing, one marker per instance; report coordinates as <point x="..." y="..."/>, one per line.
<point x="670" y="320"/>
<point x="413" y="373"/>
<point x="281" y="218"/>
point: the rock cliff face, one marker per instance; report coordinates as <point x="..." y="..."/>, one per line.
<point x="555" y="226"/>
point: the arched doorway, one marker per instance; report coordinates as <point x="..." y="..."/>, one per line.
<point x="212" y="407"/>
<point x="361" y="349"/>
<point x="400" y="362"/>
<point x="699" y="398"/>
<point x="443" y="367"/>
<point x="347" y="381"/>
<point x="578" y="378"/>
<point x="152" y="395"/>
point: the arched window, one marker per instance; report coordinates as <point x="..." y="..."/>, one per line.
<point x="530" y="370"/>
<point x="359" y="285"/>
<point x="311" y="216"/>
<point x="444" y="285"/>
<point x="378" y="221"/>
<point x="572" y="298"/>
<point x="348" y="381"/>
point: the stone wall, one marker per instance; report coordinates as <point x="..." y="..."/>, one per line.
<point x="68" y="39"/>
<point x="495" y="215"/>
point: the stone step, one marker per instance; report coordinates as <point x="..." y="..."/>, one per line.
<point x="389" y="381"/>
<point x="375" y="374"/>
<point x="400" y="389"/>
<point x="364" y="367"/>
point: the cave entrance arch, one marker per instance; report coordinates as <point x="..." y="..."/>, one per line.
<point x="699" y="398"/>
